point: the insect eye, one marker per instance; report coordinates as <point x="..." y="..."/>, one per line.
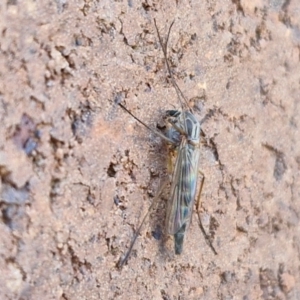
<point x="173" y="113"/>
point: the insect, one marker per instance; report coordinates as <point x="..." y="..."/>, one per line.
<point x="183" y="138"/>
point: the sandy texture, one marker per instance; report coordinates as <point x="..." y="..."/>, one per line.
<point x="78" y="173"/>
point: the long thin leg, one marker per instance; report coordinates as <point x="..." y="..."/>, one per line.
<point x="124" y="259"/>
<point x="148" y="127"/>
<point x="199" y="218"/>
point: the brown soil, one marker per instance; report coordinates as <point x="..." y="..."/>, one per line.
<point x="78" y="173"/>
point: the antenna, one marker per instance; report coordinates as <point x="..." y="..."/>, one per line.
<point x="179" y="93"/>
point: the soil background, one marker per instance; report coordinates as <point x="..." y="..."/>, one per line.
<point x="78" y="173"/>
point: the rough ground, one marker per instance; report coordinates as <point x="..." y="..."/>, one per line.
<point x="78" y="173"/>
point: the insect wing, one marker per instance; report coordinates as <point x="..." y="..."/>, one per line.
<point x="183" y="189"/>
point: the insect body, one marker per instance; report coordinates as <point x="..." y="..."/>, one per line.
<point x="185" y="131"/>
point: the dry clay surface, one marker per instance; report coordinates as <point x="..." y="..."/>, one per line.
<point x="78" y="173"/>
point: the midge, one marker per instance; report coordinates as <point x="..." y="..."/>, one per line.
<point x="183" y="138"/>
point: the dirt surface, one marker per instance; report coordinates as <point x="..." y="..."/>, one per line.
<point x="78" y="173"/>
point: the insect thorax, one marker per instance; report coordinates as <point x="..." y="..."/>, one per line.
<point x="183" y="124"/>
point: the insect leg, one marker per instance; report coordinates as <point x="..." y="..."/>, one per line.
<point x="124" y="259"/>
<point x="199" y="218"/>
<point x="148" y="127"/>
